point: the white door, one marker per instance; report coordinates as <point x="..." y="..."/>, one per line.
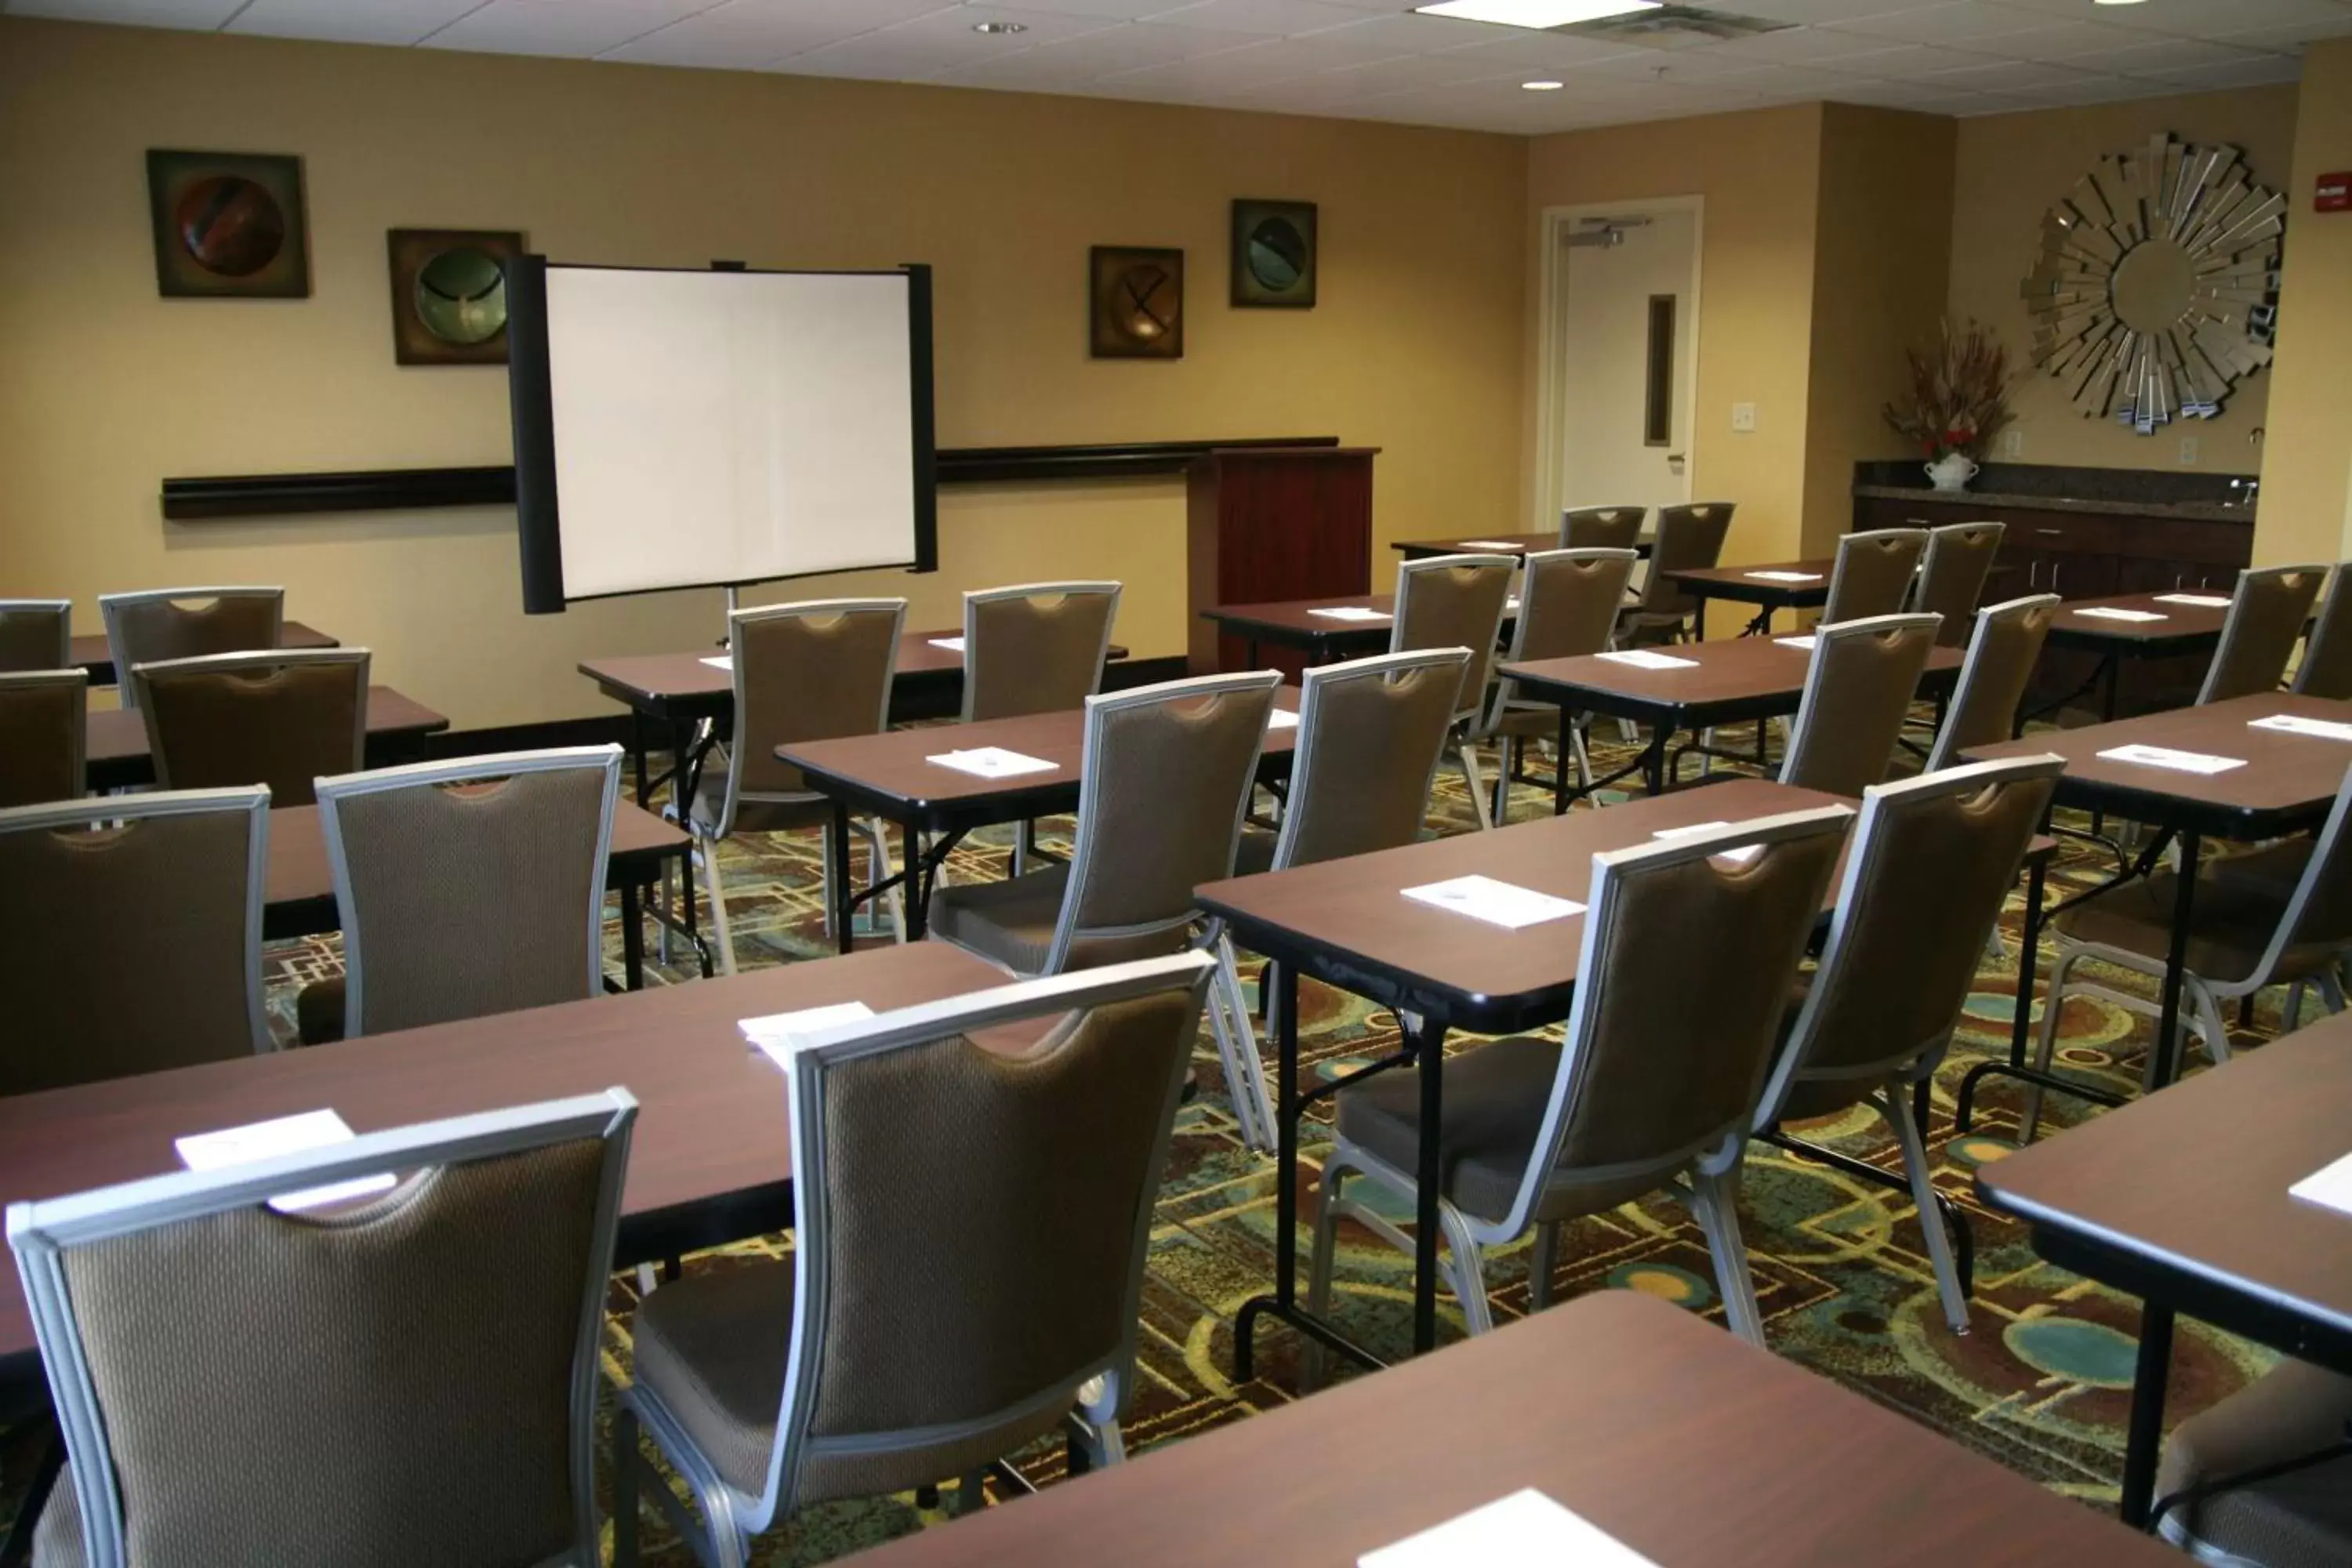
<point x="1626" y="353"/>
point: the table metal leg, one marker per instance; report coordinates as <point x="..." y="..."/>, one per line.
<point x="836" y="851"/>
<point x="2021" y="1024"/>
<point x="639" y="755"/>
<point x="1560" y="791"/>
<point x="2176" y="961"/>
<point x="1427" y="1043"/>
<point x="2144" y="1438"/>
<point x="918" y="899"/>
<point x="633" y="938"/>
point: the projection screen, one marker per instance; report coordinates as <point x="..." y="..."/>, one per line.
<point x="677" y="429"/>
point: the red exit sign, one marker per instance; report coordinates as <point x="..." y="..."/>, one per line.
<point x="2334" y="194"/>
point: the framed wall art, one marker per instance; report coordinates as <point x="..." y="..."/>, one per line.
<point x="229" y="224"/>
<point x="1274" y="255"/>
<point x="449" y="294"/>
<point x="1135" y="306"/>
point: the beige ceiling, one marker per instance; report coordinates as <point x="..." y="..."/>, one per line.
<point x="1369" y="60"/>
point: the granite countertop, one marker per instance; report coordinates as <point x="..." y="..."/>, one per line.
<point x="2196" y="512"/>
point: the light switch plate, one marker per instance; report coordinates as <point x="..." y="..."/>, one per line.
<point x="2012" y="442"/>
<point x="1743" y="417"/>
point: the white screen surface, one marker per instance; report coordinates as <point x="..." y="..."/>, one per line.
<point x="729" y="426"/>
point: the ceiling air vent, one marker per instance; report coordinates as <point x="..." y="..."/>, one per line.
<point x="1672" y="26"/>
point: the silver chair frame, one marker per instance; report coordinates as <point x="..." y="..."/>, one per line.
<point x="1936" y="536"/>
<point x="112" y="606"/>
<point x="1507" y="747"/>
<point x="1939" y="752"/>
<point x="976" y="597"/>
<point x="1824" y="639"/>
<point x="1470" y="710"/>
<point x="73" y="676"/>
<point x="63" y="610"/>
<point x="2233" y="618"/>
<point x="486" y="769"/>
<point x="40" y="1233"/>
<point x="259" y="661"/>
<point x="1567" y="512"/>
<point x="1846" y="542"/>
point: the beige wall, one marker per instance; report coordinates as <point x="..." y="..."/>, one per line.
<point x="106" y="388"/>
<point x="2307" y="456"/>
<point x="2012" y="168"/>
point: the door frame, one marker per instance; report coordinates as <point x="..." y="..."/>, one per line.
<point x="1551" y="347"/>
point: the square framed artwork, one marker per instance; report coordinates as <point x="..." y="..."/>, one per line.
<point x="228" y="225"/>
<point x="449" y="294"/>
<point x="1274" y="255"/>
<point x="1135" y="302"/>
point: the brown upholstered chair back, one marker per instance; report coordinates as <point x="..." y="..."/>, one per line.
<point x="973" y="1225"/>
<point x="163" y="624"/>
<point x="131" y="936"/>
<point x="1569" y="601"/>
<point x="44" y="719"/>
<point x="36" y="634"/>
<point x="2326" y="667"/>
<point x="1164" y="780"/>
<point x="1932" y="862"/>
<point x="470" y="887"/>
<point x="1601" y="527"/>
<point x="810" y="671"/>
<point x="1689" y="538"/>
<point x="1657" y="1068"/>
<point x="1035" y="649"/>
<point x="283" y="719"/>
<point x="2265" y="620"/>
<point x="1994" y="673"/>
<point x="1455" y="601"/>
<point x="1860" y="685"/>
<point x="1370" y="734"/>
<point x="1873" y="574"/>
<point x="1952" y="581"/>
<point x="405" y="1379"/>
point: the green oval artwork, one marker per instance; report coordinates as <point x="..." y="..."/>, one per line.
<point x="461" y="296"/>
<point x="1278" y="253"/>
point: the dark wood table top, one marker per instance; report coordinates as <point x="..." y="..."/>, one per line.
<point x="2287" y="784"/>
<point x="93" y="653"/>
<point x="2184" y="628"/>
<point x="890" y="772"/>
<point x="2183" y="1196"/>
<point x="1734" y="679"/>
<point x="658" y="679"/>
<point x="1740" y="584"/>
<point x="1292" y="623"/>
<point x="118" y="736"/>
<point x="1661" y="1430"/>
<point x="713" y="1129"/>
<point x="1498" y="544"/>
<point x="1348" y="920"/>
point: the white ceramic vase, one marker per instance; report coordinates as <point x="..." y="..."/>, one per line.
<point x="1952" y="472"/>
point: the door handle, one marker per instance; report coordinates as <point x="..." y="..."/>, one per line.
<point x="2034" y="573"/>
<point x="2054" y="576"/>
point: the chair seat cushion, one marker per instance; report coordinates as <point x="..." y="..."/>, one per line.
<point x="318" y="1012"/>
<point x="712" y="1348"/>
<point x="2230" y="923"/>
<point x="2273" y="869"/>
<point x="1495" y="1101"/>
<point x="2303" y="1516"/>
<point x="1538" y="723"/>
<point x="1011" y="921"/>
<point x="1255" y="853"/>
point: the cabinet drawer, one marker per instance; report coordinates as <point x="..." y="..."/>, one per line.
<point x="2057" y="533"/>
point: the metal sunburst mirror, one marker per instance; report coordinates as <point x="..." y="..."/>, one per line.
<point x="2158" y="285"/>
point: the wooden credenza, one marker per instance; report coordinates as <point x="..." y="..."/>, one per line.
<point x="1264" y="524"/>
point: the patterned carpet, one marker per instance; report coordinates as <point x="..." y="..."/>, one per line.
<point x="2042" y="1384"/>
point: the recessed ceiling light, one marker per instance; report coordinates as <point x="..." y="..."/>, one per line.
<point x="1543" y="86"/>
<point x="1535" y="13"/>
<point x="994" y="27"/>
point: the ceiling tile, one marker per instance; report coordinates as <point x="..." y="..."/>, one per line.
<point x="572" y="29"/>
<point x="2063" y="41"/>
<point x="748" y="34"/>
<point x="1817" y="11"/>
<point x="205" y="15"/>
<point x="1679" y="68"/>
<point x="1910" y="61"/>
<point x="2000" y="75"/>
<point x="2091" y="89"/>
<point x="2198" y="19"/>
<point x="2292" y="36"/>
<point x="1956" y="22"/>
<point x="1550" y="51"/>
<point x="942" y="41"/>
<point x="1281" y="17"/>
<point x="2262" y="71"/>
<point x="347" y="22"/>
<point x="1107" y="10"/>
<point x="2163" y="54"/>
<point x="1426" y="71"/>
<point x="1787" y="82"/>
<point x="1797" y="46"/>
<point x="1131" y="46"/>
<point x="1243" y="69"/>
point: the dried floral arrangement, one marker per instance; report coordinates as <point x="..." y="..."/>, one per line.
<point x="1959" y="394"/>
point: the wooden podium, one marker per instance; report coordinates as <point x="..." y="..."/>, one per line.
<point x="1268" y="523"/>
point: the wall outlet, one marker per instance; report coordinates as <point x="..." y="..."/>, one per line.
<point x="1743" y="418"/>
<point x="2188" y="449"/>
<point x="2012" y="442"/>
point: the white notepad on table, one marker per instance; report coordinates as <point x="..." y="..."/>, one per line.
<point x="1643" y="659"/>
<point x="1524" y="1529"/>
<point x="281" y="1135"/>
<point x="1350" y="613"/>
<point x="1510" y="544"/>
<point x="1743" y="855"/>
<point x="1805" y="642"/>
<point x="953" y="645"/>
<point x="2110" y="612"/>
<point x="2202" y="601"/>
<point x="2166" y="757"/>
<point x="774" y="1032"/>
<point x="2296" y="724"/>
<point x="1496" y="903"/>
<point x="1281" y="718"/>
<point x="720" y="661"/>
<point x="993" y="762"/>
<point x="1784" y="576"/>
<point x="2330" y="1186"/>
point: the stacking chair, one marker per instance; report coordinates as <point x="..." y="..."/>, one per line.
<point x="1165" y="776"/>
<point x="2245" y="932"/>
<point x="1873" y="574"/>
<point x="1457" y="600"/>
<point x="1602" y="527"/>
<point x="467" y="888"/>
<point x="44" y="720"/>
<point x="1858" y="687"/>
<point x="809" y="671"/>
<point x="187" y="623"/>
<point x="1035" y="647"/>
<point x="2265" y="620"/>
<point x="1952" y="578"/>
<point x="1656" y="1083"/>
<point x="2326" y="667"/>
<point x="280" y="717"/>
<point x="36" y="634"/>
<point x="1689" y="538"/>
<point x="407" y="1377"/>
<point x="2264" y="1479"/>
<point x="967" y="1267"/>
<point x="131" y="936"/>
<point x="1933" y="859"/>
<point x="1569" y="601"/>
<point x="1994" y="673"/>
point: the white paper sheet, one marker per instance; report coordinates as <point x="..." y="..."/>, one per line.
<point x="2111" y="612"/>
<point x="1742" y="854"/>
<point x="2166" y="757"/>
<point x="772" y="1033"/>
<point x="1643" y="659"/>
<point x="2296" y="724"/>
<point x="1510" y="544"/>
<point x="1496" y="903"/>
<point x="1350" y="613"/>
<point x="993" y="762"/>
<point x="1282" y="718"/>
<point x="2202" y="601"/>
<point x="1512" y="603"/>
<point x="1524" y="1529"/>
<point x="281" y="1135"/>
<point x="1805" y="642"/>
<point x="721" y="661"/>
<point x="2330" y="1186"/>
<point x="953" y="645"/>
<point x="1784" y="576"/>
